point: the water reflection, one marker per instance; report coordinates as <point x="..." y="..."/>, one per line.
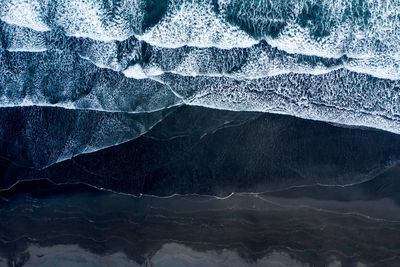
<point x="76" y="225"/>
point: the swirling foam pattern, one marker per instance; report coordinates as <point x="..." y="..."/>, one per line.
<point x="335" y="61"/>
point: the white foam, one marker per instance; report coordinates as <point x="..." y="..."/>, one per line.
<point x="135" y="71"/>
<point x="263" y="62"/>
<point x="297" y="40"/>
<point x="24" y="13"/>
<point x="25" y="49"/>
<point x="260" y="61"/>
<point x="375" y="32"/>
<point x="195" y="24"/>
<point x="339" y="96"/>
<point x="153" y="71"/>
<point x="247" y="63"/>
<point x="90" y="19"/>
<point x="22" y="39"/>
<point x="379" y="66"/>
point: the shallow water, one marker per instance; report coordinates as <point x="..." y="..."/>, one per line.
<point x="322" y="60"/>
<point x="306" y="194"/>
<point x="83" y="226"/>
<point x="199" y="133"/>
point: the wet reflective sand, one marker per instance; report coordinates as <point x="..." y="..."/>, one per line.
<point x="81" y="226"/>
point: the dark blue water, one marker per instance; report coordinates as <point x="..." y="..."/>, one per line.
<point x="306" y="193"/>
<point x="48" y="225"/>
<point x="199" y="133"/>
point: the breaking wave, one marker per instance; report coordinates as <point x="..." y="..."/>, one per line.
<point x="330" y="61"/>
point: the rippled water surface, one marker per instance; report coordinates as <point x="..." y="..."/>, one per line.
<point x="199" y="133"/>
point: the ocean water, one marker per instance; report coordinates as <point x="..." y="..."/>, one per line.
<point x="199" y="133"/>
<point x="82" y="226"/>
<point x="335" y="61"/>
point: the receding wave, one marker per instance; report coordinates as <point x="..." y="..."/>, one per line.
<point x="336" y="62"/>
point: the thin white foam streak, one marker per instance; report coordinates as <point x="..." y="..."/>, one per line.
<point x="134" y="126"/>
<point x="72" y="107"/>
<point x="325" y="210"/>
<point x="98" y="148"/>
<point x="205" y="197"/>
